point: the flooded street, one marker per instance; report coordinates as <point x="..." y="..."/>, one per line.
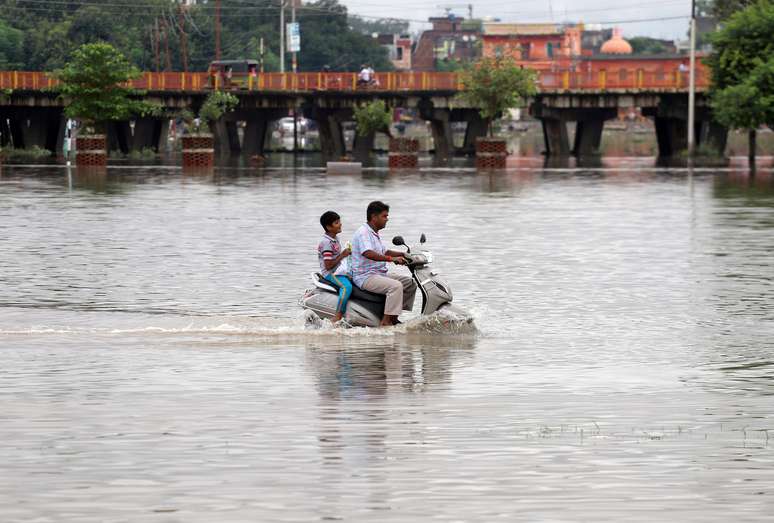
<point x="156" y="365"/>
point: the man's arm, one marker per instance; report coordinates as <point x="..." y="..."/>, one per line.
<point x="388" y="256"/>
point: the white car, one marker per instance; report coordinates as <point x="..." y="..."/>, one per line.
<point x="285" y="126"/>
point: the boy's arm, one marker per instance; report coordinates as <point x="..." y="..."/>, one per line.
<point x="331" y="261"/>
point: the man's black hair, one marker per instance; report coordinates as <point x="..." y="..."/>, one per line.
<point x="376" y="207"/>
<point x="327" y="219"/>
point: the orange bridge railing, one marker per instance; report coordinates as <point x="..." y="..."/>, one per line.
<point x="554" y="81"/>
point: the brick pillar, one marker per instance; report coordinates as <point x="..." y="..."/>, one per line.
<point x="404" y="153"/>
<point x="491" y="153"/>
<point x="91" y="150"/>
<point x="198" y="151"/>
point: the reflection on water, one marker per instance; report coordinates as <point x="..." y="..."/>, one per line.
<point x="156" y="365"/>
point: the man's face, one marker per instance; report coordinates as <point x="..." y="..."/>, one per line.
<point x="380" y="220"/>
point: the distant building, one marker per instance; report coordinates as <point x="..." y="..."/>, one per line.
<point x="592" y="38"/>
<point x="540" y="45"/>
<point x="616" y="45"/>
<point x="398" y="50"/>
<point x="452" y="39"/>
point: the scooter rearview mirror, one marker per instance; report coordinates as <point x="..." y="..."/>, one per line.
<point x="398" y="240"/>
<point x="423" y="238"/>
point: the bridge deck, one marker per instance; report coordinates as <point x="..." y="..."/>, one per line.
<point x="622" y="80"/>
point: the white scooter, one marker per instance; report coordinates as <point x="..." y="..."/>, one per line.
<point x="365" y="309"/>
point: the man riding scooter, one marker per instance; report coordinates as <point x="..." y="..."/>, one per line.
<point x="369" y="265"/>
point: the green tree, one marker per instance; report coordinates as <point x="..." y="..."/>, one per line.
<point x="449" y="65"/>
<point x="93" y="83"/>
<point x="372" y="117"/>
<point x="145" y="30"/>
<point x="742" y="63"/>
<point x="380" y="26"/>
<point x="11" y="46"/>
<point x="647" y="45"/>
<point x="216" y="105"/>
<point x="723" y="9"/>
<point x="326" y="39"/>
<point x="495" y="85"/>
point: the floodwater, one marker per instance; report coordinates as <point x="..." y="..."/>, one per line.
<point x="156" y="367"/>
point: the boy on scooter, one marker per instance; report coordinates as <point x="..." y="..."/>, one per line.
<point x="331" y="257"/>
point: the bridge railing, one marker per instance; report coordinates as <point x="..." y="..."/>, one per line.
<point x="618" y="79"/>
<point x="615" y="79"/>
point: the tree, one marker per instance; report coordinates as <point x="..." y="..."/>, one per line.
<point x="216" y="105"/>
<point x="149" y="28"/>
<point x="93" y="84"/>
<point x="723" y="9"/>
<point x="372" y="117"/>
<point x="647" y="45"/>
<point x="11" y="51"/>
<point x="326" y="39"/>
<point x="380" y="26"/>
<point x="742" y="63"/>
<point x="495" y="85"/>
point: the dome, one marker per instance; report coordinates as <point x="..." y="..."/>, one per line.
<point x="616" y="45"/>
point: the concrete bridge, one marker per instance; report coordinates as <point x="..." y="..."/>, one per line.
<point x="31" y="111"/>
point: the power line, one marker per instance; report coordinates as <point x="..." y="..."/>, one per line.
<point x="308" y="10"/>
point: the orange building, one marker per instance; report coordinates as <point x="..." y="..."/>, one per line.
<point x="540" y="46"/>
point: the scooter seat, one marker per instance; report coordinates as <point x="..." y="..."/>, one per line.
<point x="358" y="293"/>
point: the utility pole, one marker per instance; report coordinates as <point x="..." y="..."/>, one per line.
<point x="217" y="30"/>
<point x="293" y="19"/>
<point x="692" y="84"/>
<point x="165" y="29"/>
<point x="155" y="35"/>
<point x="183" y="38"/>
<point x="260" y="54"/>
<point x="295" y="68"/>
<point x="282" y="36"/>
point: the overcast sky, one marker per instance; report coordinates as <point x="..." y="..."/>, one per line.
<point x="621" y="13"/>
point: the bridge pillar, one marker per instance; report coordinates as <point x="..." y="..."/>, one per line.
<point x="255" y="137"/>
<point x="476" y="128"/>
<point x="150" y="133"/>
<point x="226" y="137"/>
<point x="671" y="135"/>
<point x="588" y="137"/>
<point x="670" y="117"/>
<point x="119" y="136"/>
<point x="588" y="129"/>
<point x="36" y="127"/>
<point x="362" y="146"/>
<point x="442" y="138"/>
<point x="714" y="136"/>
<point x="16" y="134"/>
<point x="257" y="125"/>
<point x="331" y="136"/>
<point x="440" y="125"/>
<point x="555" y="137"/>
<point x="5" y="131"/>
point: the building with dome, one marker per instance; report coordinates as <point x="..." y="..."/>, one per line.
<point x="616" y="45"/>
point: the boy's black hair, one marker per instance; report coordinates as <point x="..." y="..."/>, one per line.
<point x="376" y="207"/>
<point x="327" y="219"/>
